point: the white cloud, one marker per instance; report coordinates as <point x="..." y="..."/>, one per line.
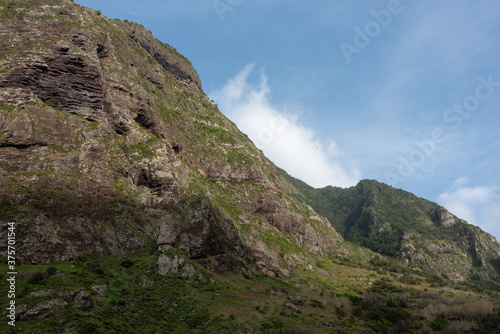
<point x="280" y="135"/>
<point x="477" y="205"/>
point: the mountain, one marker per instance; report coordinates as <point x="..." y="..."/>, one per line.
<point x="108" y="141"/>
<point x="400" y="225"/>
<point x="135" y="201"/>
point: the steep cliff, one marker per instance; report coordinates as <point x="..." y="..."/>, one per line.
<point x="108" y="141"/>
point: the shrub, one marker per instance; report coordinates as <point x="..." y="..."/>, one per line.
<point x="316" y="303"/>
<point x="89" y="327"/>
<point x="263" y="309"/>
<point x="463" y="310"/>
<point x="36" y="278"/>
<point x="81" y="259"/>
<point x="341" y="312"/>
<point x="95" y="267"/>
<point x="384" y="286"/>
<point x="198" y="318"/>
<point x="337" y="302"/>
<point x="371" y="297"/>
<point x="8" y="209"/>
<point x="439" y="324"/>
<point x="51" y="271"/>
<point x="461" y="326"/>
<point x="127" y="263"/>
<point x="473" y="309"/>
<point x="272" y="323"/>
<point x="433" y="310"/>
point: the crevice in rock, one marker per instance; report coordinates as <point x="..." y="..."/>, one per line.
<point x="101" y="51"/>
<point x="22" y="146"/>
<point x="144" y="119"/>
<point x="64" y="51"/>
<point x="158" y="186"/>
<point x="78" y="40"/>
<point x="176" y="148"/>
<point x="118" y="124"/>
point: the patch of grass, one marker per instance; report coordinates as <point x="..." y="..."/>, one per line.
<point x="10" y="9"/>
<point x="21" y="46"/>
<point x="61" y="149"/>
<point x="7" y="107"/>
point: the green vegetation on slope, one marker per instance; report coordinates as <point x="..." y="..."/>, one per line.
<point x="334" y="297"/>
<point x="398" y="224"/>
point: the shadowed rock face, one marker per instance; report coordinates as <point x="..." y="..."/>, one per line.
<point x="171" y="64"/>
<point x="65" y="82"/>
<point x="108" y="143"/>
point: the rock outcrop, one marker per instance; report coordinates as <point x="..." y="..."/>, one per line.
<point x="100" y="290"/>
<point x="174" y="266"/>
<point x="83" y="301"/>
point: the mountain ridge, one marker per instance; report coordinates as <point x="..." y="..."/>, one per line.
<point x="372" y="205"/>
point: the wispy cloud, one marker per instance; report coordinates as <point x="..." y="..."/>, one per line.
<point x="279" y="133"/>
<point x="477" y="205"/>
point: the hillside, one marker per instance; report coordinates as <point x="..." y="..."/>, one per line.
<point x="139" y="208"/>
<point x="412" y="230"/>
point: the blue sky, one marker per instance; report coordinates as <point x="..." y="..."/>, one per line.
<point x="405" y="92"/>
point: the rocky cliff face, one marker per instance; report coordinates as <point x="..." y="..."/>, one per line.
<point x="107" y="141"/>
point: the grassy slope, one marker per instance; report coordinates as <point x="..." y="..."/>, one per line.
<point x="336" y="297"/>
